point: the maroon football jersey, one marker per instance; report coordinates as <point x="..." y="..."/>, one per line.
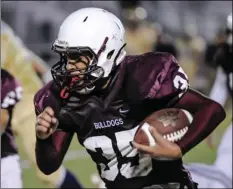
<point x="106" y="124"/>
<point x="11" y="93"/>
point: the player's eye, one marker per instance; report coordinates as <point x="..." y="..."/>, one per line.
<point x="74" y="54"/>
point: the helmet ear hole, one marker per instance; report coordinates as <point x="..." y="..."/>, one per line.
<point x="109" y="56"/>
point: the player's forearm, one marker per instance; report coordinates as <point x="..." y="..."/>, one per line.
<point x="38" y="64"/>
<point x="51" y="151"/>
<point x="40" y="67"/>
<point x="4" y="119"/>
<point x="46" y="156"/>
<point x="207" y="115"/>
<point x="205" y="122"/>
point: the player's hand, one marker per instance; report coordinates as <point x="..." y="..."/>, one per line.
<point x="46" y="123"/>
<point x="162" y="149"/>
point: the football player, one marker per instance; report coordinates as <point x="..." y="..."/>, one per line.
<point x="219" y="175"/>
<point x="102" y="95"/>
<point x="11" y="93"/>
<point x="23" y="64"/>
<point x="164" y="43"/>
<point x="222" y="86"/>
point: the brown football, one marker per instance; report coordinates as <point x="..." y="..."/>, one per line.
<point x="171" y="123"/>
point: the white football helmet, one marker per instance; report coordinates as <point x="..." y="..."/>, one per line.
<point x="90" y="31"/>
<point x="229" y="21"/>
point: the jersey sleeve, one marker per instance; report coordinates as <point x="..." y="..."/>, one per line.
<point x="11" y="90"/>
<point x="46" y="97"/>
<point x="49" y="95"/>
<point x="171" y="79"/>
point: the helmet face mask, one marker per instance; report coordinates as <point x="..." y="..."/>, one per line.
<point x="83" y="38"/>
<point x="76" y="79"/>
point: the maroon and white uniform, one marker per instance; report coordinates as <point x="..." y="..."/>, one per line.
<point x="11" y="93"/>
<point x="106" y="122"/>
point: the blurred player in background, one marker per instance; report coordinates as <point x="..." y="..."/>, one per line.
<point x="164" y="42"/>
<point x="219" y="175"/>
<point x="205" y="74"/>
<point x="11" y="94"/>
<point x="137" y="27"/>
<point x="17" y="59"/>
<point x="222" y="86"/>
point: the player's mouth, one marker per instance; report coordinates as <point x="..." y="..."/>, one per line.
<point x="75" y="73"/>
<point x="78" y="73"/>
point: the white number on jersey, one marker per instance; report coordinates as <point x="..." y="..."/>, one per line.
<point x="123" y="139"/>
<point x="12" y="97"/>
<point x="181" y="83"/>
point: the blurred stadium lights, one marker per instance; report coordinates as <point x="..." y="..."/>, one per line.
<point x="141" y="13"/>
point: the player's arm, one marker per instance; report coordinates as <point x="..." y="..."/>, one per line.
<point x="4" y="120"/>
<point x="40" y="67"/>
<point x="51" y="143"/>
<point x="207" y="114"/>
<point x="50" y="152"/>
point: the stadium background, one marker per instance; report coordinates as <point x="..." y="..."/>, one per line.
<point x="192" y="27"/>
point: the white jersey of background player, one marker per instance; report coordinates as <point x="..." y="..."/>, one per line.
<point x="219" y="175"/>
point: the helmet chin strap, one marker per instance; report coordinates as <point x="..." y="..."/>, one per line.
<point x="101" y="86"/>
<point x="65" y="91"/>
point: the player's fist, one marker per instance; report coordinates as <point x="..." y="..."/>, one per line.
<point x="46" y="123"/>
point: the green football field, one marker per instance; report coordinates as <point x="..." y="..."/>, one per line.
<point x="81" y="165"/>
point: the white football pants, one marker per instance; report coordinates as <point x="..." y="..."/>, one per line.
<point x="218" y="175"/>
<point x="11" y="172"/>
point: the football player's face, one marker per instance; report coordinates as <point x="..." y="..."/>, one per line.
<point x="80" y="64"/>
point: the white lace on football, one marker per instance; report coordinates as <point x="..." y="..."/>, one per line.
<point x="177" y="135"/>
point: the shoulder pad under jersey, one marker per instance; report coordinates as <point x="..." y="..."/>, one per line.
<point x="154" y="75"/>
<point x="47" y="96"/>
